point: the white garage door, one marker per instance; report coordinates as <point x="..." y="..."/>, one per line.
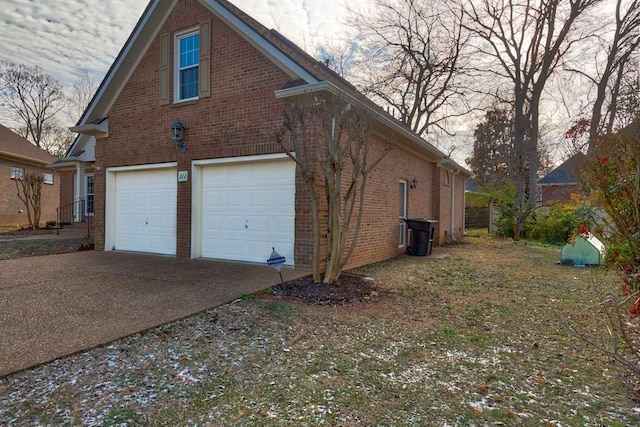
<point x="248" y="208"/>
<point x="145" y="211"/>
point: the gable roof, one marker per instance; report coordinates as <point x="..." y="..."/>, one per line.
<point x="16" y="147"/>
<point x="568" y="173"/>
<point x="306" y="73"/>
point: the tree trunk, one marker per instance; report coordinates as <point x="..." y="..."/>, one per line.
<point x="30" y="193"/>
<point x="518" y="228"/>
<point x="334" y="224"/>
<point x="315" y="214"/>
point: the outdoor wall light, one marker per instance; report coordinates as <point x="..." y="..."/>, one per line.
<point x="177" y="131"/>
<point x="414" y="183"/>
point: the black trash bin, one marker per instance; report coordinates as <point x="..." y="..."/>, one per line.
<point x="422" y="232"/>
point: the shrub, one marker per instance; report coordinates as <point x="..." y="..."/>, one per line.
<point x="612" y="174"/>
<point x="560" y="222"/>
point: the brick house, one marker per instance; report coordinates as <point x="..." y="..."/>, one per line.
<point x="230" y="192"/>
<point x="561" y="182"/>
<point x="19" y="157"/>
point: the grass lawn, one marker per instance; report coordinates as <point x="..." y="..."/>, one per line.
<point x="16" y="243"/>
<point x="466" y="337"/>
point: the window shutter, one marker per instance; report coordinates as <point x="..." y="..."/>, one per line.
<point x="204" y="73"/>
<point x="165" y="63"/>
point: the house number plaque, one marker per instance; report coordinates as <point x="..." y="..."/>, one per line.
<point x="183" y="176"/>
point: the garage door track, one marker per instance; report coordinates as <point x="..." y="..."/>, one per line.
<point x="53" y="306"/>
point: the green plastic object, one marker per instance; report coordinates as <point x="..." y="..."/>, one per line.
<point x="584" y="251"/>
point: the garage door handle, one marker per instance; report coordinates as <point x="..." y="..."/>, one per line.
<point x="246" y="224"/>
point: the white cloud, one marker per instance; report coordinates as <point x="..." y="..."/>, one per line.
<point x="69" y="37"/>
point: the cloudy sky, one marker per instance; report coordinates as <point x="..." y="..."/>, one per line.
<point x="69" y="37"/>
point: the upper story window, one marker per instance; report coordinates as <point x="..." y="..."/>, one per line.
<point x="187" y="51"/>
<point x="189" y="67"/>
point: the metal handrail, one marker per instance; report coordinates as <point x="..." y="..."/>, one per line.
<point x="70" y="213"/>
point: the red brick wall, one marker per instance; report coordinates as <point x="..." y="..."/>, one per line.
<point x="66" y="187"/>
<point x="239" y="119"/>
<point x="10" y="204"/>
<point x="379" y="233"/>
<point x="99" y="186"/>
<point x="559" y="193"/>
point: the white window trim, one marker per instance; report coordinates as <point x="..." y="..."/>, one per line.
<point x="86" y="193"/>
<point x="176" y="64"/>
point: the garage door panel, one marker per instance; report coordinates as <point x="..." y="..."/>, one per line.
<point x="145" y="211"/>
<point x="247" y="209"/>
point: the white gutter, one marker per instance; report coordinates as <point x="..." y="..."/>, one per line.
<point x="382" y="118"/>
<point x="453" y="204"/>
<point x="24" y="159"/>
<point x="99" y="130"/>
<point x="455" y="170"/>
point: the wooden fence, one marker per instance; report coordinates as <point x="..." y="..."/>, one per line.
<point x="476" y="217"/>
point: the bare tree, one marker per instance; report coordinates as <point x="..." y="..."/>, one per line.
<point x="523" y="42"/>
<point x="413" y="61"/>
<point x="32" y="96"/>
<point x="56" y="139"/>
<point x="614" y="53"/>
<point x="339" y="56"/>
<point x="329" y="139"/>
<point x="81" y="95"/>
<point x="30" y="193"/>
<point x="296" y="139"/>
<point x="628" y="102"/>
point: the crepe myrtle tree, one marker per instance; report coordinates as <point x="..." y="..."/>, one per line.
<point x="329" y="138"/>
<point x="30" y="193"/>
<point x="611" y="174"/>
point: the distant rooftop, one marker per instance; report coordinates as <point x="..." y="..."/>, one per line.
<point x="565" y="174"/>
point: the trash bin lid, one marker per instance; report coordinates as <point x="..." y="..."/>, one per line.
<point x="418" y="224"/>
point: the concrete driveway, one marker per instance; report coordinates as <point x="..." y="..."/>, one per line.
<point x="54" y="306"/>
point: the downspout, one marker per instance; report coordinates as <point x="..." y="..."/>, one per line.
<point x="452" y="232"/>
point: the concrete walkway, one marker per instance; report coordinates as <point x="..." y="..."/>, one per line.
<point x="54" y="306"/>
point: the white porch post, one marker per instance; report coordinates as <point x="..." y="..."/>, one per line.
<point x="78" y="190"/>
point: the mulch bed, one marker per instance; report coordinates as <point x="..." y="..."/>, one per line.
<point x="350" y="288"/>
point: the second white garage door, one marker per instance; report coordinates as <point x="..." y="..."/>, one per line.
<point x="246" y="208"/>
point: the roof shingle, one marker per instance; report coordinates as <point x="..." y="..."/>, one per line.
<point x="14" y="146"/>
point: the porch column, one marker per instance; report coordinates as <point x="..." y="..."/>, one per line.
<point x="78" y="192"/>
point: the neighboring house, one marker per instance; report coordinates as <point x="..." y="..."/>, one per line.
<point x="232" y="193"/>
<point x="561" y="182"/>
<point x="19" y="157"/>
